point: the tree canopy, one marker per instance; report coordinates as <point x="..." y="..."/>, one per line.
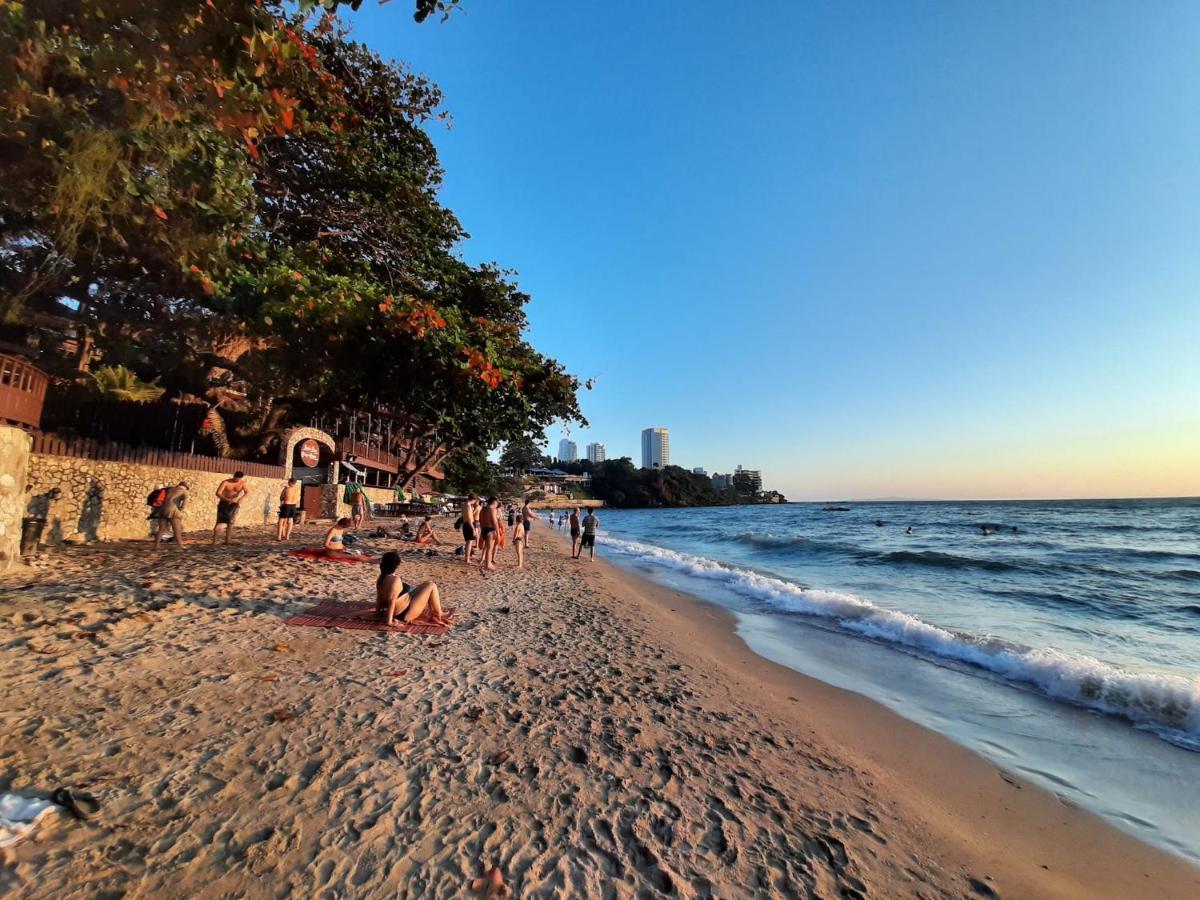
<point x="243" y="204"/>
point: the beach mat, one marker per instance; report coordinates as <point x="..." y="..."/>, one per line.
<point x="357" y="616"/>
<point x="322" y="555"/>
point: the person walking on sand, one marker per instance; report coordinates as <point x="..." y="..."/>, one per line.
<point x="575" y="533"/>
<point x="468" y="529"/>
<point x="230" y="494"/>
<point x="588" y="539"/>
<point x="358" y="507"/>
<point x="289" y="509"/>
<point x="489" y="526"/>
<point x="170" y="515"/>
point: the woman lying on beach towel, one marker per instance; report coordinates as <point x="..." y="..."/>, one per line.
<point x="334" y="549"/>
<point x="396" y="600"/>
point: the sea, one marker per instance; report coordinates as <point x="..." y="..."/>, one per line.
<point x="1059" y="639"/>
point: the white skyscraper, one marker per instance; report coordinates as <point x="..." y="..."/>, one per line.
<point x="568" y="451"/>
<point x="595" y="453"/>
<point x="656" y="448"/>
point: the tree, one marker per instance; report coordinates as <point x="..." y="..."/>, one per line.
<point x="521" y="454"/>
<point x="246" y="205"/>
<point x="471" y="472"/>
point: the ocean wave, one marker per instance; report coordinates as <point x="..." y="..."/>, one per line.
<point x="944" y="560"/>
<point x="771" y="542"/>
<point x="1168" y="705"/>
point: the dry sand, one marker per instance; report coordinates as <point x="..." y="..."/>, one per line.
<point x="591" y="734"/>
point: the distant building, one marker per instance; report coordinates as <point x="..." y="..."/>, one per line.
<point x="656" y="448"/>
<point x="595" y="453"/>
<point x="568" y="451"/>
<point x="699" y="470"/>
<point x="747" y="481"/>
<point x="721" y="482"/>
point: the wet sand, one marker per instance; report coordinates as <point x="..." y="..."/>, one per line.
<point x="588" y="732"/>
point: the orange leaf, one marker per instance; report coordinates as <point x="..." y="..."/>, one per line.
<point x="160" y="212"/>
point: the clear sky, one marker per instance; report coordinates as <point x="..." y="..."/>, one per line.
<point x="928" y="249"/>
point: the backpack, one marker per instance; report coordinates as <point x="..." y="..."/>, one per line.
<point x="157" y="498"/>
<point x="458" y="522"/>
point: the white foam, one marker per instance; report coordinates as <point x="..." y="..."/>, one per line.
<point x="1168" y="705"/>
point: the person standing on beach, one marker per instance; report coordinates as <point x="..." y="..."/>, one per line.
<point x="468" y="529"/>
<point x="518" y="538"/>
<point x="575" y="533"/>
<point x="289" y="509"/>
<point x="230" y="494"/>
<point x="358" y="507"/>
<point x="170" y="515"/>
<point x="489" y="527"/>
<point x="527" y="518"/>
<point x="590" y="524"/>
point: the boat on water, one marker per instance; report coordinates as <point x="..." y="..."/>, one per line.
<point x="836" y="509"/>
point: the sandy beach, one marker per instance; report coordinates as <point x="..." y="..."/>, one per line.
<point x="589" y="733"/>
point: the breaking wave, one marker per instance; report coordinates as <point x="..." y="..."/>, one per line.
<point x="1168" y="705"/>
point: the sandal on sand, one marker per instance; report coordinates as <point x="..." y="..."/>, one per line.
<point x="490" y="883"/>
<point x="80" y="804"/>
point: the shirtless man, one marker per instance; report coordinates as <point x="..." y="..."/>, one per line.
<point x="230" y="494"/>
<point x="469" y="513"/>
<point x="289" y="509"/>
<point x="170" y="515"/>
<point x="527" y="518"/>
<point x="489" y="533"/>
<point x="396" y="600"/>
<point x="575" y="533"/>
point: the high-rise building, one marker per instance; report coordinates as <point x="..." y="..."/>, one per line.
<point x="656" y="448"/>
<point x="699" y="470"/>
<point x="595" y="453"/>
<point x="747" y="481"/>
<point x="721" y="482"/>
<point x="568" y="451"/>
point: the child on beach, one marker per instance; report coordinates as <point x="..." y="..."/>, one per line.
<point x="395" y="599"/>
<point x="518" y="533"/>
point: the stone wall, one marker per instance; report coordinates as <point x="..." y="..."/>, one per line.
<point x="84" y="499"/>
<point x="14" y="463"/>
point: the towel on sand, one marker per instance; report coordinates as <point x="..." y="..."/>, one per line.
<point x="332" y="555"/>
<point x="358" y="616"/>
<point x="20" y="815"/>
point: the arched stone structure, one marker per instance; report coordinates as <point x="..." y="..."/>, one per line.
<point x="295" y="436"/>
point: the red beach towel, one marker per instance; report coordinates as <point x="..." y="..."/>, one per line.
<point x="320" y="553"/>
<point x="358" y="616"/>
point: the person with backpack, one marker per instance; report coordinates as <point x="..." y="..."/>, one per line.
<point x="168" y="515"/>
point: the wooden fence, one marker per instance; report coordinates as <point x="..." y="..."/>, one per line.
<point x="107" y="451"/>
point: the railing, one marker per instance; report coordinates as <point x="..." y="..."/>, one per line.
<point x="22" y="391"/>
<point x="376" y="457"/>
<point x="107" y="451"/>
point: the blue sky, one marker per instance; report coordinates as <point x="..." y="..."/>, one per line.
<point x="874" y="249"/>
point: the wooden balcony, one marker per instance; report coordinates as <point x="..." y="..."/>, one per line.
<point x="370" y="454"/>
<point x="22" y="392"/>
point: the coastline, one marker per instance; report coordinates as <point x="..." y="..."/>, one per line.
<point x="583" y="728"/>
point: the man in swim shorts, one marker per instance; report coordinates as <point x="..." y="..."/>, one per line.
<point x="468" y="528"/>
<point x="289" y="509"/>
<point x="575" y="533"/>
<point x="489" y="526"/>
<point x="588" y="539"/>
<point x="230" y="494"/>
